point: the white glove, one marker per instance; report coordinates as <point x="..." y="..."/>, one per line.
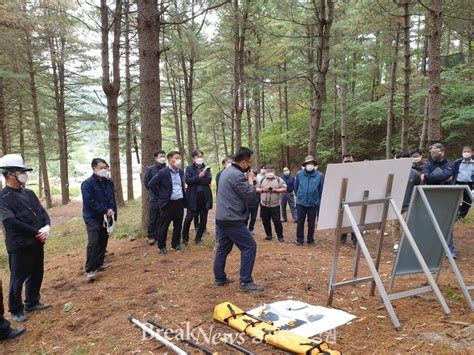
<point x="45" y="231"/>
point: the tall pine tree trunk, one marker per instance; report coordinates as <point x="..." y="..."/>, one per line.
<point x="3" y="119"/>
<point x="39" y="135"/>
<point x="406" y="76"/>
<point x="435" y="16"/>
<point x="344" y="116"/>
<point x="128" y="106"/>
<point x="391" y="97"/>
<point x="56" y="49"/>
<point x="112" y="89"/>
<point x="150" y="105"/>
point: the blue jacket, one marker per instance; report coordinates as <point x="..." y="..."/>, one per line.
<point x="457" y="164"/>
<point x="438" y="173"/>
<point x="196" y="185"/>
<point x="162" y="186"/>
<point x="290" y="182"/>
<point x="150" y="172"/>
<point x="97" y="198"/>
<point x="309" y="188"/>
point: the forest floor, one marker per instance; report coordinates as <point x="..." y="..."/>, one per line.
<point x="177" y="291"/>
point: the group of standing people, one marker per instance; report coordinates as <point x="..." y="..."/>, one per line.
<point x="240" y="192"/>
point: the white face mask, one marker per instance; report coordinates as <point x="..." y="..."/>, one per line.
<point x="310" y="167"/>
<point x="177" y="163"/>
<point x="262" y="172"/>
<point x="270" y="175"/>
<point x="466" y="155"/>
<point x="228" y="164"/>
<point x="417" y="159"/>
<point x="199" y="161"/>
<point x="23" y="178"/>
<point x="161" y="160"/>
<point x="103" y="173"/>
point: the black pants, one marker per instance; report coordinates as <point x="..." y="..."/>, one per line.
<point x="153" y="220"/>
<point x="201" y="211"/>
<point x="98" y="239"/>
<point x="306" y="212"/>
<point x="26" y="267"/>
<point x="4" y="324"/>
<point x="173" y="212"/>
<point x="466" y="200"/>
<point x="269" y="214"/>
<point x="251" y="217"/>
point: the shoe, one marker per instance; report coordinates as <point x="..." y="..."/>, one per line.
<point x="185" y="243"/>
<point x="102" y="268"/>
<point x="151" y="241"/>
<point x="177" y="248"/>
<point x="220" y="283"/>
<point x="19" y="317"/>
<point x="163" y="252"/>
<point x="452" y="251"/>
<point x="299" y="243"/>
<point x="343" y="239"/>
<point x="13" y="333"/>
<point x="251" y="287"/>
<point x="395" y="248"/>
<point x="312" y="243"/>
<point x="38" y="307"/>
<point x="198" y="242"/>
<point x="354" y="243"/>
<point x="268" y="238"/>
<point x="91" y="276"/>
<point x="281" y="239"/>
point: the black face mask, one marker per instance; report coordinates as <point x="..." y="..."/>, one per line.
<point x="247" y="169"/>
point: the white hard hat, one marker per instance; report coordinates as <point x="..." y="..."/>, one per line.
<point x="13" y="161"/>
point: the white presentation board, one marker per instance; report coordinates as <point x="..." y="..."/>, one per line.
<point x="366" y="175"/>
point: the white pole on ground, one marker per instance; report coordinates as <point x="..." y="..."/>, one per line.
<point x="157" y="336"/>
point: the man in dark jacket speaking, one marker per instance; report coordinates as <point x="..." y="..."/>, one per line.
<point x="235" y="191"/>
<point x="27" y="228"/>
<point x="98" y="204"/>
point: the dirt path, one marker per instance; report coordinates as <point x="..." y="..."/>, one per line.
<point x="178" y="289"/>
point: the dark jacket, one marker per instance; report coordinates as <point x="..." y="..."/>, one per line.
<point x="413" y="180"/>
<point x="290" y="183"/>
<point x="218" y="176"/>
<point x="438" y="173"/>
<point x="162" y="186"/>
<point x="97" y="198"/>
<point x="254" y="202"/>
<point x="457" y="164"/>
<point x="234" y="194"/>
<point x="150" y="172"/>
<point x="22" y="215"/>
<point x="198" y="185"/>
<point x="309" y="188"/>
<point x="418" y="167"/>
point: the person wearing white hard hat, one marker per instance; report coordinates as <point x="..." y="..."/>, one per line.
<point x="27" y="228"/>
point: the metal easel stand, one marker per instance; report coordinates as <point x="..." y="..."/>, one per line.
<point x="454" y="267"/>
<point x="345" y="210"/>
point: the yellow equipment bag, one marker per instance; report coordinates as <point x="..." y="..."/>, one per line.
<point x="238" y="319"/>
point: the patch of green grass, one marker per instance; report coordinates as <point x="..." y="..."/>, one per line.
<point x="469" y="219"/>
<point x="451" y="293"/>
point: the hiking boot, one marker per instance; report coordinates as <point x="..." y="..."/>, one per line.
<point x="220" y="283"/>
<point x="13" y="333"/>
<point x="281" y="239"/>
<point x="19" y="317"/>
<point x="343" y="239"/>
<point x="177" y="248"/>
<point x="163" y="252"/>
<point x="299" y="243"/>
<point x="37" y="307"/>
<point x="91" y="277"/>
<point x="251" y="287"/>
<point x="268" y="237"/>
<point x="151" y="241"/>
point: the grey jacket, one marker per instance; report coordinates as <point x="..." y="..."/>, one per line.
<point x="234" y="194"/>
